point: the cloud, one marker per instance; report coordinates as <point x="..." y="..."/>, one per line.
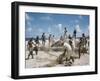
<point x="28" y="17"/>
<point x="28" y="23"/>
<point x="60" y="27"/>
<point x="49" y="30"/>
<point x="46" y="18"/>
<point x="88" y="28"/>
<point x="80" y="17"/>
<point x="76" y="21"/>
<point x="78" y="28"/>
<point x="40" y="30"/>
<point x="29" y="29"/>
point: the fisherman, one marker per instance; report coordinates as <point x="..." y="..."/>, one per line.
<point x="30" y="47"/>
<point x="80" y="46"/>
<point x="53" y="39"/>
<point x="69" y="36"/>
<point x="84" y="40"/>
<point x="61" y="38"/>
<point x="70" y="42"/>
<point x="74" y="33"/>
<point x="49" y="39"/>
<point x="83" y="36"/>
<point x="36" y="49"/>
<point x="65" y="33"/>
<point x="37" y="40"/>
<point x="66" y="58"/>
<point x="43" y="39"/>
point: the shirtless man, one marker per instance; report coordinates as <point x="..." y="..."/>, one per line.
<point x="49" y="39"/>
<point x="65" y="33"/>
<point x="30" y="47"/>
<point x="43" y="39"/>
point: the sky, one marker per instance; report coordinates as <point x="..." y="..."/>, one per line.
<point x="50" y="23"/>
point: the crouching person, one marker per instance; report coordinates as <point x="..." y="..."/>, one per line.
<point x="66" y="58"/>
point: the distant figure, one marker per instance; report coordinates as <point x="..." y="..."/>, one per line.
<point x="69" y="36"/>
<point x="53" y="39"/>
<point x="80" y="45"/>
<point x="88" y="42"/>
<point x="83" y="35"/>
<point x="49" y="40"/>
<point x="37" y="40"/>
<point x="43" y="39"/>
<point x="74" y="33"/>
<point x="30" y="47"/>
<point x="70" y="42"/>
<point x="61" y="38"/>
<point x="65" y="33"/>
<point x="84" y="39"/>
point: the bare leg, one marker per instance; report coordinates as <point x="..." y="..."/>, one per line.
<point x="31" y="54"/>
<point x="36" y="51"/>
<point x="28" y="55"/>
<point x="79" y="52"/>
<point x="72" y="58"/>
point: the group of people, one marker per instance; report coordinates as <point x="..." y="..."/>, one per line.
<point x="33" y="46"/>
<point x="43" y="39"/>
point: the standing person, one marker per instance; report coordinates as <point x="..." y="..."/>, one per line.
<point x="36" y="49"/>
<point x="30" y="47"/>
<point x="49" y="39"/>
<point x="84" y="39"/>
<point x="61" y="38"/>
<point x="65" y="33"/>
<point x="69" y="36"/>
<point x="43" y="39"/>
<point x="71" y="43"/>
<point x="74" y="33"/>
<point x="83" y="36"/>
<point x="53" y="39"/>
<point x="80" y="46"/>
<point x="37" y="40"/>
